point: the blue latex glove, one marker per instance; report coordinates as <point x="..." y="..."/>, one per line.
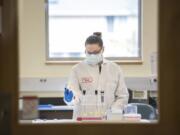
<point x="68" y="95"/>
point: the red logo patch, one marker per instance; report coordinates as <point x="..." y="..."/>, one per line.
<point x="86" y="79"/>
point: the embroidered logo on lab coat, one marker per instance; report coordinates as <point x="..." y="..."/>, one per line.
<point x="86" y="79"/>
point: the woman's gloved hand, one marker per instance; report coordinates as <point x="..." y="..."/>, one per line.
<point x="68" y="95"/>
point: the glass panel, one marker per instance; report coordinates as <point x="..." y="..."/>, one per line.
<point x="70" y="24"/>
<point x="43" y="97"/>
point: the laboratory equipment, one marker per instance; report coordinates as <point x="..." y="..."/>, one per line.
<point x="114" y="114"/>
<point x="91" y="107"/>
<point x="130" y="109"/>
<point x="30" y="108"/>
<point x="131" y="114"/>
<point x="103" y="105"/>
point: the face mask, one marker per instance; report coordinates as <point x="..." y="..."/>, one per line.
<point x="94" y="59"/>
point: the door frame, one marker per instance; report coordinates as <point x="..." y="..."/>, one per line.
<point x="169" y="41"/>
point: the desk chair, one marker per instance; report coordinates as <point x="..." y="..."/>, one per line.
<point x="146" y="111"/>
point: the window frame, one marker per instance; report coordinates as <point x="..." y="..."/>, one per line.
<point x="169" y="120"/>
<point x="119" y="60"/>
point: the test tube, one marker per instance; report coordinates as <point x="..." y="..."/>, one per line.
<point x="102" y="96"/>
<point x="83" y="103"/>
<point x="102" y="102"/>
<point x="96" y="94"/>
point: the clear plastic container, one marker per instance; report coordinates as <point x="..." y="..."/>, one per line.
<point x="130" y="109"/>
<point x="30" y="108"/>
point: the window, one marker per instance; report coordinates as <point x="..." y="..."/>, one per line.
<point x="70" y="22"/>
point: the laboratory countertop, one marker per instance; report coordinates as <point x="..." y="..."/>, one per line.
<point x="70" y="121"/>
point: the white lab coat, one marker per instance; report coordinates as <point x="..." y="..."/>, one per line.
<point x="87" y="77"/>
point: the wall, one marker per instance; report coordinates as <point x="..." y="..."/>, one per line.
<point x="32" y="41"/>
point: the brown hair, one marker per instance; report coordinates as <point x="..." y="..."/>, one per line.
<point x="95" y="38"/>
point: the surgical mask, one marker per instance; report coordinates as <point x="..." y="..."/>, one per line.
<point x="94" y="59"/>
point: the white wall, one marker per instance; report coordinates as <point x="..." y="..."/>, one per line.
<point x="32" y="41"/>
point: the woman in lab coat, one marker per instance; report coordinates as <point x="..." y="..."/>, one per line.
<point x="95" y="75"/>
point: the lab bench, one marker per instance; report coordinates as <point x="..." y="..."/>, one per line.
<point x="70" y="121"/>
<point x="52" y="108"/>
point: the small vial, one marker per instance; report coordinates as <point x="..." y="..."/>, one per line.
<point x="102" y="104"/>
<point x="96" y="94"/>
<point x="83" y="111"/>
